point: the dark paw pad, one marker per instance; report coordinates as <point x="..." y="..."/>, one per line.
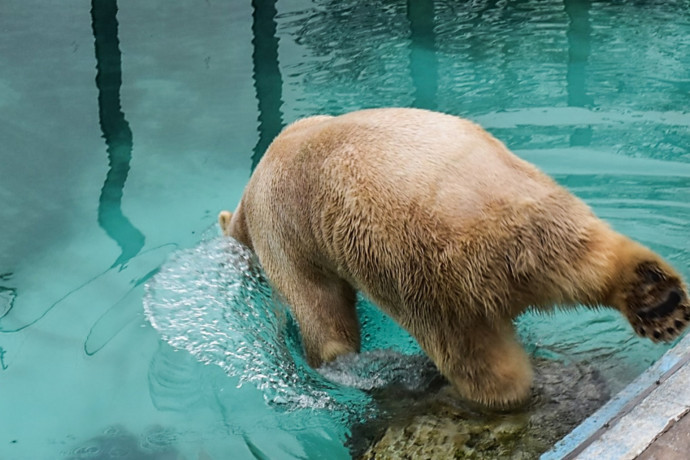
<point x="663" y="309"/>
<point x="665" y="321"/>
<point x="659" y="307"/>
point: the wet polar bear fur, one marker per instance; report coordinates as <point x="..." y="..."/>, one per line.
<point x="446" y="231"/>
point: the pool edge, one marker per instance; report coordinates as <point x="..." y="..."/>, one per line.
<point x="635" y="417"/>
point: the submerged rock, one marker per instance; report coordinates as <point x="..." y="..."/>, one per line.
<point x="440" y="426"/>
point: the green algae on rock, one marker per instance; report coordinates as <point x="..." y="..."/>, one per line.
<point x="440" y="426"/>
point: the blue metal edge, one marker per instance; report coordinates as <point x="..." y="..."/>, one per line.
<point x="608" y="411"/>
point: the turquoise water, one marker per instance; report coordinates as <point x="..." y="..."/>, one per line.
<point x="120" y="140"/>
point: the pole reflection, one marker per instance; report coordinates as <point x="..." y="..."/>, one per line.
<point x="116" y="131"/>
<point x="423" y="58"/>
<point x="579" y="48"/>
<point x="268" y="81"/>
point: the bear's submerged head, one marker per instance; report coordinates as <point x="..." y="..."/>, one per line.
<point x="652" y="296"/>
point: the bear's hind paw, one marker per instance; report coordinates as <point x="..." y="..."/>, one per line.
<point x="664" y="321"/>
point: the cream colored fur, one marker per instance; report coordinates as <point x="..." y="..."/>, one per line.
<point x="446" y="231"/>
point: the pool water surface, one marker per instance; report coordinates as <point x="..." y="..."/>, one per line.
<point x="130" y="329"/>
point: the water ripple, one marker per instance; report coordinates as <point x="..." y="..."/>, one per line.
<point x="214" y="302"/>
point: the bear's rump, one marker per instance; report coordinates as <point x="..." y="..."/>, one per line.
<point x="423" y="260"/>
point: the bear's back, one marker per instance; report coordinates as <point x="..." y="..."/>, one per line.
<point x="426" y="190"/>
<point x="445" y="164"/>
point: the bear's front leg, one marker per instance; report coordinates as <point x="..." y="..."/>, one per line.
<point x="324" y="306"/>
<point x="483" y="361"/>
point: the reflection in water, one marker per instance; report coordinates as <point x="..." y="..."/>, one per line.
<point x="356" y="55"/>
<point x="3" y="366"/>
<point x="116" y="131"/>
<point x="118" y="138"/>
<point x="423" y="60"/>
<point x="267" y="78"/>
<point x="7" y="295"/>
<point x="579" y="38"/>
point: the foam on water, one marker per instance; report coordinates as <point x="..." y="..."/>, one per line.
<point x="213" y="301"/>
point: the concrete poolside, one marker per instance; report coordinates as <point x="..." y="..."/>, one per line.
<point x="647" y="420"/>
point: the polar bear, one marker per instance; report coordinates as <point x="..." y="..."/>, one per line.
<point x="446" y="231"/>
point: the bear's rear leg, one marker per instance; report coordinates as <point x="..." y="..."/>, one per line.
<point x="485" y="363"/>
<point x="325" y="311"/>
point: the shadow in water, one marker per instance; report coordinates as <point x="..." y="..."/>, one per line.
<point x="156" y="443"/>
<point x="579" y="46"/>
<point x="116" y="131"/>
<point x="423" y="58"/>
<point x="267" y="78"/>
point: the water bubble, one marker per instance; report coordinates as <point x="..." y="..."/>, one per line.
<point x="86" y="451"/>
